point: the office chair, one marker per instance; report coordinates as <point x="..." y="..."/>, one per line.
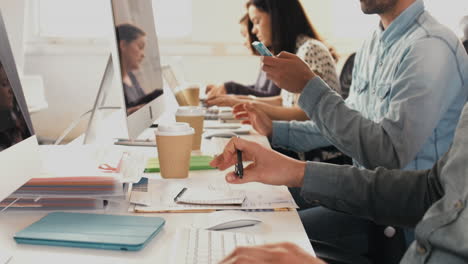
<point x="346" y="75"/>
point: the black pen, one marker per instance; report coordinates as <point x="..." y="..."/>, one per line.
<point x="180" y="194"/>
<point x="239" y="167"/>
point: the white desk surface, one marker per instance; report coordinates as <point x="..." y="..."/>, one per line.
<point x="275" y="227"/>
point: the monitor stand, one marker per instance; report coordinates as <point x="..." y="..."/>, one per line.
<point x="101" y="126"/>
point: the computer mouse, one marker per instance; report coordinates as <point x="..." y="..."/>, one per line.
<point x="227" y="219"/>
<point x="221" y="134"/>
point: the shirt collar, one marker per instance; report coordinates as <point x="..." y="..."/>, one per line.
<point x="401" y="23"/>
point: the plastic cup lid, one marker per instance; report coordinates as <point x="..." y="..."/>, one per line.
<point x="190" y="111"/>
<point x="174" y="129"/>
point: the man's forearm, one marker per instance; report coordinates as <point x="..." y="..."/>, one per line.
<point x="362" y="139"/>
<point x="283" y="113"/>
<point x="390" y="197"/>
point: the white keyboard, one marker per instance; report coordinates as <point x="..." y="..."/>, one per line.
<point x="193" y="246"/>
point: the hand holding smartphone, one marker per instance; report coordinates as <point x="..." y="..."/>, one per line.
<point x="261" y="48"/>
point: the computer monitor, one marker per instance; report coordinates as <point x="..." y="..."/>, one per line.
<point x="19" y="154"/>
<point x="137" y="61"/>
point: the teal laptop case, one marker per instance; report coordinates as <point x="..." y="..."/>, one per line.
<point x="115" y="232"/>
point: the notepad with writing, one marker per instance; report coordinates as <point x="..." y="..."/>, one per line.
<point x="194" y="196"/>
<point x="196" y="163"/>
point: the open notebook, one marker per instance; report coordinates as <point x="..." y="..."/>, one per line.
<point x="194" y="196"/>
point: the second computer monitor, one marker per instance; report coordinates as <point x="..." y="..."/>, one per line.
<point x="19" y="154"/>
<point x="137" y="53"/>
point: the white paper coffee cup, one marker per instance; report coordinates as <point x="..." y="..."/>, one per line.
<point x="194" y="116"/>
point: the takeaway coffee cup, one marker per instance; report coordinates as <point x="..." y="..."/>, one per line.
<point x="192" y="94"/>
<point x="194" y="117"/>
<point x="180" y="97"/>
<point x="174" y="143"/>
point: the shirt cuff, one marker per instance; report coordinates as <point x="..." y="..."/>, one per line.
<point x="319" y="185"/>
<point x="280" y="134"/>
<point x="312" y="94"/>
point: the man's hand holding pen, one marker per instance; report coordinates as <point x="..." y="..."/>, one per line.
<point x="268" y="166"/>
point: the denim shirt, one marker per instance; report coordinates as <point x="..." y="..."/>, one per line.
<point x="435" y="200"/>
<point x="409" y="86"/>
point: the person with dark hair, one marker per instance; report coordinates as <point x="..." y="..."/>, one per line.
<point x="283" y="25"/>
<point x="131" y="45"/>
<point x="245" y="28"/>
<point x="262" y="87"/>
<point x="13" y="127"/>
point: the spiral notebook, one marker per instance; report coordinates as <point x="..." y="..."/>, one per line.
<point x="193" y="196"/>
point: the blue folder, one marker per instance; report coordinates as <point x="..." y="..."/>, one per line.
<point x="116" y="232"/>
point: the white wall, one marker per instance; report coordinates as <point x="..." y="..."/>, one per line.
<point x="341" y="23"/>
<point x="13" y="16"/>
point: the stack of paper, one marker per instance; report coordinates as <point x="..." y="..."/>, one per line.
<point x="53" y="203"/>
<point x="70" y="187"/>
<point x="65" y="193"/>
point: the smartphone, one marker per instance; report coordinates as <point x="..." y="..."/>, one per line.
<point x="260" y="47"/>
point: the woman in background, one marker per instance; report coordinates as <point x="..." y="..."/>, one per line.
<point x="262" y="87"/>
<point x="284" y="26"/>
<point x="132" y="43"/>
